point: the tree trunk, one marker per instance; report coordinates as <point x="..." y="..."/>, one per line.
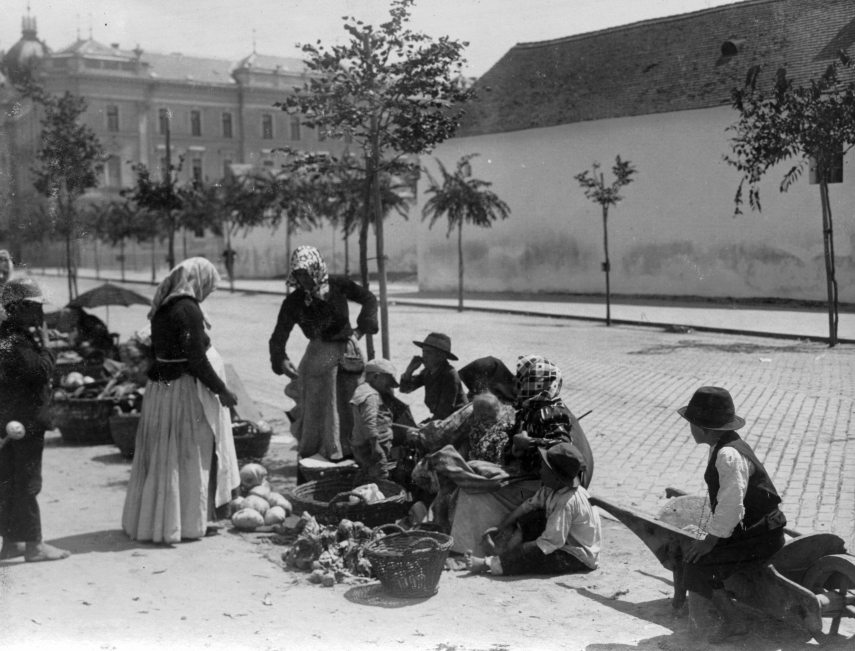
<point x="830" y="277"/>
<point x="288" y="250"/>
<point x="363" y="268"/>
<point x="460" y="265"/>
<point x="153" y="261"/>
<point x="346" y="254"/>
<point x="607" y="265"/>
<point x="381" y="255"/>
<point x="170" y="253"/>
<point x="122" y="258"/>
<point x="97" y="264"/>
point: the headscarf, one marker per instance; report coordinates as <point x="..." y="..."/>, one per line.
<point x="195" y="277"/>
<point x="489" y="373"/>
<point x="537" y="380"/>
<point x="307" y="258"/>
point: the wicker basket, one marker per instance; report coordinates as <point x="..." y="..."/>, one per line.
<point x="409" y="563"/>
<point x="83" y="420"/>
<point x="250" y="441"/>
<point x="328" y="500"/>
<point x="123" y="430"/>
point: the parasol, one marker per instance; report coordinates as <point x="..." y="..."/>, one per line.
<point x="109" y="294"/>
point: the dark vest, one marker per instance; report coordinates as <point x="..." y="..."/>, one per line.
<point x="761" y="498"/>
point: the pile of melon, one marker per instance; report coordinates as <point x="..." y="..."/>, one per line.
<point x="259" y="505"/>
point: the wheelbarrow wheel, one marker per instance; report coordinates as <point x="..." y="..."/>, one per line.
<point x="834" y="573"/>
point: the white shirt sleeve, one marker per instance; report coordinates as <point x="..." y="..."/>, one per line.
<point x="733" y="473"/>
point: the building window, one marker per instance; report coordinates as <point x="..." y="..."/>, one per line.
<point x="322" y="134"/>
<point x="197" y="169"/>
<point x="113" y="172"/>
<point x="195" y="123"/>
<point x="267" y="126"/>
<point x="227" y="168"/>
<point x="112" y="118"/>
<point x="227" y="125"/>
<point x="268" y="164"/>
<point x="163" y="121"/>
<point x="348" y="137"/>
<point x="835" y="172"/>
<point x="295" y="127"/>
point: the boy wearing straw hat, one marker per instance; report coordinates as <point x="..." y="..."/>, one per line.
<point x="444" y="392"/>
<point x="746" y="524"/>
<point x="571" y="539"/>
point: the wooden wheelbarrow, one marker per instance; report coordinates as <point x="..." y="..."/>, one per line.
<point x="807" y="581"/>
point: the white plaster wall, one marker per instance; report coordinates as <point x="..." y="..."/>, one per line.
<point x="674" y="233"/>
<point x="262" y="251"/>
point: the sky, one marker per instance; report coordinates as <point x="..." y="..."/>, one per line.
<point x="228" y="28"/>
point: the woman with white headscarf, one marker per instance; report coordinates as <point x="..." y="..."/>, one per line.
<point x="323" y="383"/>
<point x="184" y="462"/>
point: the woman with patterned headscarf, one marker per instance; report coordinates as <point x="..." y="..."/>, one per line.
<point x="542" y="420"/>
<point x="542" y="417"/>
<point x="329" y="371"/>
<point x="185" y="464"/>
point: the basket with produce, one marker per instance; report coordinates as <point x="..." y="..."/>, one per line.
<point x="252" y="440"/>
<point x="331" y="500"/>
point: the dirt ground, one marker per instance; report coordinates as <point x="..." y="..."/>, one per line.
<point x="230" y="591"/>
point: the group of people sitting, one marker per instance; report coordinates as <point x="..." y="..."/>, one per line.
<point x="503" y="464"/>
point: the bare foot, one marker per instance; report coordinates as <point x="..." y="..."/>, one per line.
<point x="12" y="550"/>
<point x="42" y="552"/>
<point x="475" y="564"/>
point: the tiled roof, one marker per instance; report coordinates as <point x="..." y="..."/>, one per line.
<point x="179" y="67"/>
<point x="655" y="66"/>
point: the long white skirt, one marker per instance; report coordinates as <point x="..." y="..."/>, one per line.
<point x="169" y="496"/>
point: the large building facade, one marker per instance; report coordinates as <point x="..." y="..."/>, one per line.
<point x="219" y="114"/>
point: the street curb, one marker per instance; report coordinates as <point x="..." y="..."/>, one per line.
<point x="548" y="315"/>
<point x="628" y="322"/>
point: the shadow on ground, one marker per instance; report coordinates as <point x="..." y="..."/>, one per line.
<point x="734" y="347"/>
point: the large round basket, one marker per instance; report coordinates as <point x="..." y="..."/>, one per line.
<point x="251" y="442"/>
<point x="331" y="500"/>
<point x="123" y="429"/>
<point x="409" y="563"/>
<point x="83" y="420"/>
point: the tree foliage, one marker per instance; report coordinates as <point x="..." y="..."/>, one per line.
<point x="393" y="91"/>
<point x="813" y="123"/>
<point x="68" y="161"/>
<point x="462" y="198"/>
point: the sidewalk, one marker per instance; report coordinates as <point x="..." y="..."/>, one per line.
<point x="773" y="321"/>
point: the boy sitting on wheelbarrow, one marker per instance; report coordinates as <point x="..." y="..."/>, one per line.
<point x="746" y="525"/>
<point x="570" y="541"/>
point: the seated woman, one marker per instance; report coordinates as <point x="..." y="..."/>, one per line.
<point x="542" y="420"/>
<point x="484" y="375"/>
<point x="87" y="333"/>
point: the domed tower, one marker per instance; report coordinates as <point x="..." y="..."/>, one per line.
<point x="27" y="53"/>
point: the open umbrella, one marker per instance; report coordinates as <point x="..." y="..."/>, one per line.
<point x="109" y="294"/>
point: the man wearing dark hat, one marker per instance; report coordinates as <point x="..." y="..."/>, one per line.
<point x="570" y="540"/>
<point x="26" y="366"/>
<point x="746" y="524"/>
<point x="444" y="392"/>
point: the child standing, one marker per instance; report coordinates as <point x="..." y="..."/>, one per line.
<point x="371" y="441"/>
<point x="570" y="541"/>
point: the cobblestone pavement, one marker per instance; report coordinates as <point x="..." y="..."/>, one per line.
<point x="796" y="396"/>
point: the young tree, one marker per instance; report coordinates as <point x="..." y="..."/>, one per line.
<point x="606" y="195"/>
<point x="462" y="199"/>
<point x="393" y="91"/>
<point x="68" y="162"/>
<point x="160" y="200"/>
<point x="808" y="123"/>
<point x="115" y="223"/>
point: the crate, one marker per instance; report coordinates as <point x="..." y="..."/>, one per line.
<point x="83" y="420"/>
<point x="123" y="430"/>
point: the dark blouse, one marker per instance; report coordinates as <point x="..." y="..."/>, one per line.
<point x="444" y="392"/>
<point x="327" y="320"/>
<point x="550" y="423"/>
<point x="25" y="372"/>
<point x="178" y="333"/>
